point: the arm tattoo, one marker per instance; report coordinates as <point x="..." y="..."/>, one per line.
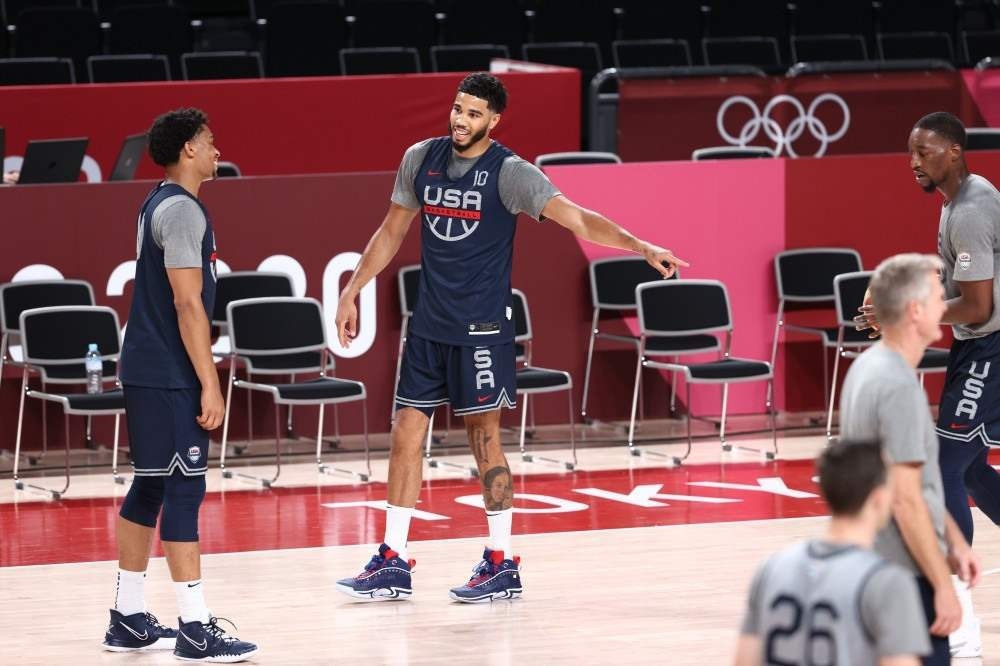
<point x="498" y="489"/>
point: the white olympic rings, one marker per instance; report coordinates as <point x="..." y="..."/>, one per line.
<point x="784" y="138"/>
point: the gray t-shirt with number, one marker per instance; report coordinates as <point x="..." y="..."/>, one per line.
<point x="523" y="187"/>
<point x="178" y="229"/>
<point x="969" y="244"/>
<point x="882" y="401"/>
<point x="824" y="603"/>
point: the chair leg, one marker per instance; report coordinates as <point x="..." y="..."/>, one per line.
<point x="524" y="418"/>
<point x="225" y="418"/>
<point x="399" y="367"/>
<point x="826" y="377"/>
<point x="88" y="438"/>
<point x="690" y="415"/>
<point x="120" y="480"/>
<point x="328" y="469"/>
<point x="34" y="460"/>
<point x="3" y="357"/>
<point x="572" y="432"/>
<point x="833" y="392"/>
<point x="20" y="423"/>
<point x="238" y="450"/>
<point x="290" y="424"/>
<point x="55" y="494"/>
<point x="635" y="399"/>
<point x="673" y="390"/>
<point x="771" y="455"/>
<point x="586" y="374"/>
<point x="533" y="457"/>
<point x="642" y="403"/>
<point x="471" y="470"/>
<point x="722" y="420"/>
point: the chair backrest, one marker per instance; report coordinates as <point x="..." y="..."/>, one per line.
<point x="409" y="286"/>
<point x="980" y="44"/>
<point x="806" y="275"/>
<point x="466" y="57"/>
<point x="56" y="339"/>
<point x="228" y="170"/>
<point x="613" y="281"/>
<point x="683" y="307"/>
<point x="521" y="316"/>
<point x="16" y="297"/>
<point x="893" y="46"/>
<point x="982" y="138"/>
<point x="379" y="60"/>
<point x="824" y="48"/>
<point x="241" y="285"/>
<point x="585" y="56"/>
<point x="849" y="293"/>
<point x="36" y="71"/>
<point x="651" y="53"/>
<point x="576" y="157"/>
<point x="731" y="153"/>
<point x="304" y="38"/>
<point x="761" y="51"/>
<point x="222" y="65"/>
<point x="276" y="326"/>
<point x="123" y="68"/>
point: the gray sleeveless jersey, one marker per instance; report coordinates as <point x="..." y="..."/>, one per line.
<point x="823" y="604"/>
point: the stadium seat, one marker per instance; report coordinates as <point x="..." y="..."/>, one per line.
<point x="124" y="68"/>
<point x="222" y="65"/>
<point x="62" y="32"/>
<point x="36" y="71"/>
<point x="466" y="57"/>
<point x="912" y="45"/>
<point x="162" y="30"/>
<point x="305" y="38"/>
<point x="380" y="60"/>
<point x="980" y="44"/>
<point x="481" y="23"/>
<point x="759" y="51"/>
<point x="407" y="23"/>
<point x="828" y="48"/>
<point x="651" y="53"/>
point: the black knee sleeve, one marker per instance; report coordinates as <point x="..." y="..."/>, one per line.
<point x="181" y="501"/>
<point x="143" y="501"/>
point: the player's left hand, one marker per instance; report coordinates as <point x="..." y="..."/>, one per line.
<point x="965" y="562"/>
<point x="656" y="256"/>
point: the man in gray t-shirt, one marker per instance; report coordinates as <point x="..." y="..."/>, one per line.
<point x="833" y="599"/>
<point x="466" y="191"/>
<point x="882" y="400"/>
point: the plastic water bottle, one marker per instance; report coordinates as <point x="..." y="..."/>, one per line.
<point x="95" y="369"/>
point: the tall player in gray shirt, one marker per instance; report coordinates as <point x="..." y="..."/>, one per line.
<point x="969" y="416"/>
<point x="833" y="601"/>
<point x="882" y="399"/>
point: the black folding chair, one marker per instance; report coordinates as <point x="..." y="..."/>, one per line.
<point x="849" y="291"/>
<point x="684" y="308"/>
<point x="532" y="380"/>
<point x="576" y="157"/>
<point x="466" y="57"/>
<point x="805" y="280"/>
<point x="731" y="153"/>
<point x="236" y="286"/>
<point x="55" y="342"/>
<point x="15" y="298"/>
<point x="288" y="332"/>
<point x="612" y="289"/>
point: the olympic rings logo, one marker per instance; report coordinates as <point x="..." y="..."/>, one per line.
<point x="783" y="138"/>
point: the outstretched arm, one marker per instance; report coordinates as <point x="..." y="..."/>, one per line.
<point x="596" y="228"/>
<point x="381" y="249"/>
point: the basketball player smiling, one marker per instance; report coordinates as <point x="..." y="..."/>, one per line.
<point x="469" y="190"/>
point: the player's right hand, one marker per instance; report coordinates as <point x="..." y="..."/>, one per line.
<point x="867" y="319"/>
<point x="213" y="409"/>
<point x="347" y="321"/>
<point x="947" y="611"/>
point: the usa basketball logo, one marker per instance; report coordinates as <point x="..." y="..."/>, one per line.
<point x="193" y="454"/>
<point x="452" y="214"/>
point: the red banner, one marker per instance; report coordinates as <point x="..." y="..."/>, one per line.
<point x="835" y="114"/>
<point x="290" y="126"/>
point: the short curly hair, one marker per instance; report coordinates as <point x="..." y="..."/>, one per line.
<point x="485" y="86"/>
<point x="171" y="131"/>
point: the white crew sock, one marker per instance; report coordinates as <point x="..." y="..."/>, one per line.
<point x="500" y="527"/>
<point x="130" y="596"/>
<point x="397" y="528"/>
<point x="191" y="601"/>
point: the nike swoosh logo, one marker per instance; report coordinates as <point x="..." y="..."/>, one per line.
<point x="201" y="646"/>
<point x="482" y="400"/>
<point x="957" y="426"/>
<point x="195" y="585"/>
<point x="433" y="173"/>
<point x="142" y="637"/>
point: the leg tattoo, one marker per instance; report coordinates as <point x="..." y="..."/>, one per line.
<point x="498" y="489"/>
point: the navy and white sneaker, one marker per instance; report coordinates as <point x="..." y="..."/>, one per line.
<point x="386" y="578"/>
<point x="139" y="631"/>
<point x="197" y="641"/>
<point x="495" y="577"/>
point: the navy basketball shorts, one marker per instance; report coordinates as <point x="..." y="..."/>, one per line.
<point x="970" y="402"/>
<point x="162" y="431"/>
<point x="471" y="379"/>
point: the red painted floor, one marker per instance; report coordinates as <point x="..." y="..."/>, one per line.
<point x="83" y="530"/>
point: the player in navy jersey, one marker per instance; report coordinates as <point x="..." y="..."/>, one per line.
<point x="172" y="398"/>
<point x="468" y="190"/>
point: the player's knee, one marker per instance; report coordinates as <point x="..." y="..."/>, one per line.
<point x="181" y="503"/>
<point x="143" y="501"/>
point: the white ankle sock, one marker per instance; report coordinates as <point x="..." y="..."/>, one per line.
<point x="191" y="601"/>
<point x="500" y="528"/>
<point x="130" y="597"/>
<point x="397" y="528"/>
